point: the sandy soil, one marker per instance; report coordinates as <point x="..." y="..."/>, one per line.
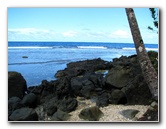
<point x="111" y="112"/>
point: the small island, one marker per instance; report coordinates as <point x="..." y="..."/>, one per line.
<point x="24" y="56"/>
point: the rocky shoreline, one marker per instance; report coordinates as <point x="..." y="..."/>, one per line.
<point x="104" y="83"/>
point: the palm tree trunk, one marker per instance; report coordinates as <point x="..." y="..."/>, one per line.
<point x="150" y="74"/>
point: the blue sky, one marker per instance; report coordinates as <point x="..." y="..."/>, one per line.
<point x="77" y="24"/>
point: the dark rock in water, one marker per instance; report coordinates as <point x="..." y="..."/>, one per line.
<point x="60" y="74"/>
<point x="129" y="113"/>
<point x="91" y="114"/>
<point x="16" y="85"/>
<point x="24" y="114"/>
<point x="60" y="116"/>
<point x="117" y="97"/>
<point x="30" y="100"/>
<point x="24" y="56"/>
<point x="79" y="68"/>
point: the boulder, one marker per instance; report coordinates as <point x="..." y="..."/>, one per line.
<point x="67" y="104"/>
<point x="12" y="101"/>
<point x="91" y="114"/>
<point x="96" y="79"/>
<point x="60" y="116"/>
<point x="37" y="90"/>
<point x="24" y="114"/>
<point x="16" y="85"/>
<point x="85" y="84"/>
<point x="63" y="87"/>
<point x="137" y="91"/>
<point x="119" y="76"/>
<point x="102" y="100"/>
<point x="51" y="109"/>
<point x="126" y="75"/>
<point x="76" y="85"/>
<point x="129" y="113"/>
<point x="13" y="104"/>
<point x="47" y="88"/>
<point x="50" y="105"/>
<point x="88" y="86"/>
<point x="117" y="97"/>
<point x="30" y="100"/>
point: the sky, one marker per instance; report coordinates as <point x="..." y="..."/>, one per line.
<point x="77" y="25"/>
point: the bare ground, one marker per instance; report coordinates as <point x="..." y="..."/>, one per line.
<point x="111" y="112"/>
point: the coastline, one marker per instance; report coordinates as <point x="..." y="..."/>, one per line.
<point x="89" y="80"/>
<point x="47" y="58"/>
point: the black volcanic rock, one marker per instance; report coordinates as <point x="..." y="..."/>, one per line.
<point x="79" y="68"/>
<point x="16" y="85"/>
<point x="122" y="84"/>
<point x="91" y="114"/>
<point x="126" y="75"/>
<point x="102" y="100"/>
<point x="24" y="114"/>
<point x="129" y="113"/>
<point x="117" y="97"/>
<point x="30" y="100"/>
<point x="60" y="116"/>
<point x="119" y="76"/>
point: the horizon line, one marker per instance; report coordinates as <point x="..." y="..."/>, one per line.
<point x="81" y="42"/>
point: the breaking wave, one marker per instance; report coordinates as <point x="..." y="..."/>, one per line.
<point x="148" y="49"/>
<point x="91" y="47"/>
<point x="42" y="62"/>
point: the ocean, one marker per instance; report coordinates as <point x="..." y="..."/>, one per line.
<point x="44" y="59"/>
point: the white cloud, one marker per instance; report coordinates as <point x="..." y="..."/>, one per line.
<point x="120" y="34"/>
<point x="69" y="33"/>
<point x="28" y="31"/>
<point x="97" y="34"/>
<point x="149" y="37"/>
<point x="30" y="34"/>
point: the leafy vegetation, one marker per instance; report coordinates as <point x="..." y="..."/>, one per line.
<point x="154" y="14"/>
<point x="153" y="55"/>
